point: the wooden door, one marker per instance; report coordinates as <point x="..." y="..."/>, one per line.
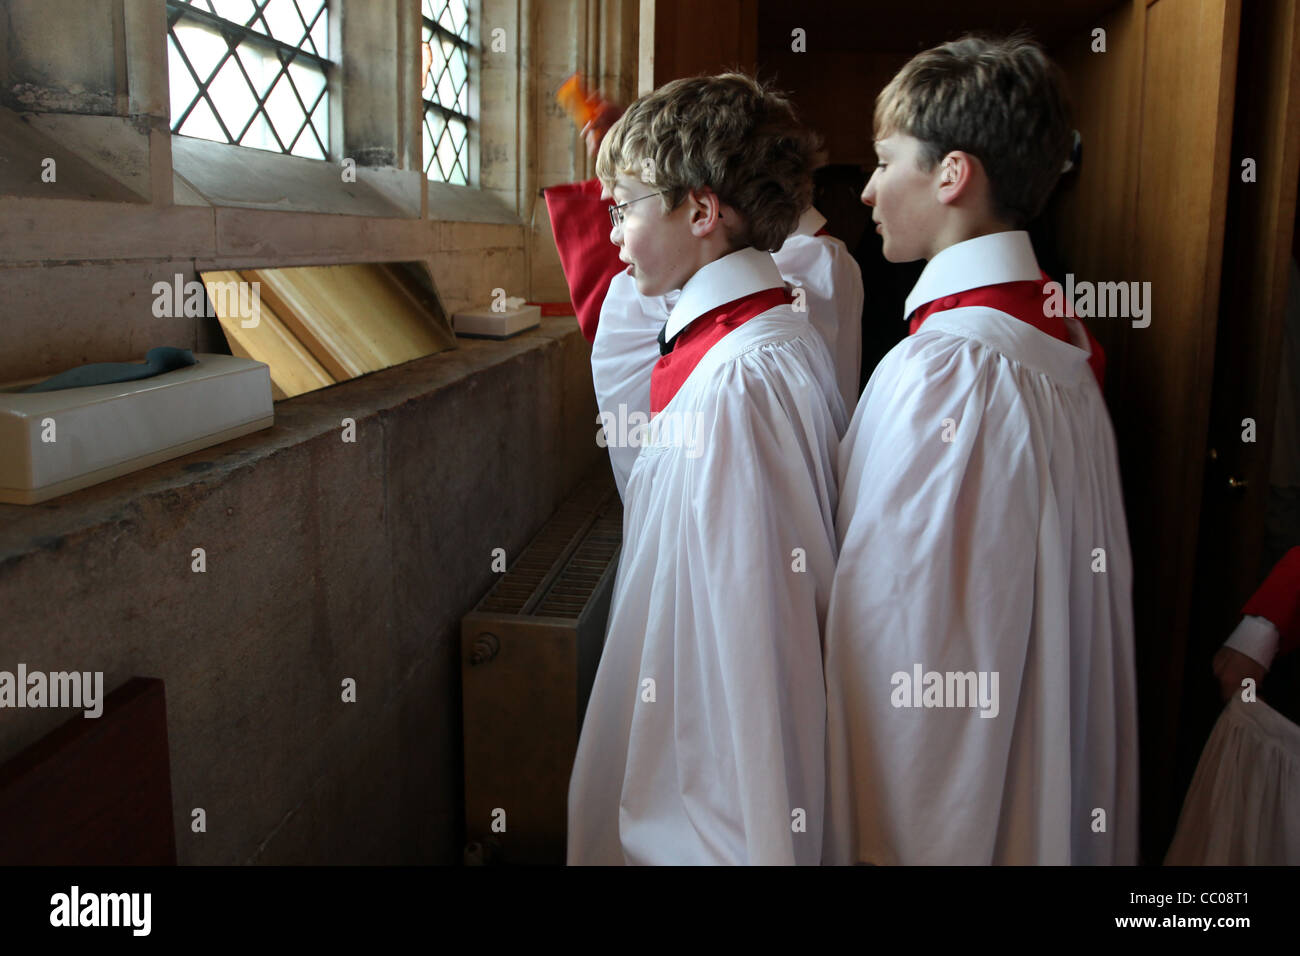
<point x="1188" y="85"/>
<point x="697" y="36"/>
<point x="1257" y="252"/>
<point x="1155" y="111"/>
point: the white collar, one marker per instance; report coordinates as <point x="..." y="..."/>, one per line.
<point x="809" y="223"/>
<point x="724" y="280"/>
<point x="985" y="260"/>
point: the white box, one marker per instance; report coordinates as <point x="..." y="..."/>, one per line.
<point x="486" y="324"/>
<point x="102" y="431"/>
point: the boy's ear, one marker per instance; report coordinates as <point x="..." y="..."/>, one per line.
<point x="704" y="211"/>
<point x="957" y="172"/>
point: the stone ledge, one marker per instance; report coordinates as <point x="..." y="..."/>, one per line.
<point x="27" y="529"/>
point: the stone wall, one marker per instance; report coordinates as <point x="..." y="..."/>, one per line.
<point x="325" y="560"/>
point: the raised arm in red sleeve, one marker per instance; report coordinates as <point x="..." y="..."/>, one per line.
<point x="580" y="224"/>
<point x="1278" y="601"/>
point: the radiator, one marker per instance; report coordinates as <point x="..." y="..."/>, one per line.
<point x="529" y="652"/>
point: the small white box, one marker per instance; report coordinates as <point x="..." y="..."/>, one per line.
<point x="486" y="324"/>
<point x="102" y="431"/>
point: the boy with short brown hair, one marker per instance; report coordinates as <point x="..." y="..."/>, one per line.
<point x="979" y="645"/>
<point x="704" y="738"/>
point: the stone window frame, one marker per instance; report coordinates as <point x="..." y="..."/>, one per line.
<point x="376" y="114"/>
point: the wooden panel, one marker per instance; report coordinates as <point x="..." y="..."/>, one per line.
<point x="1260" y="224"/>
<point x="704" y="36"/>
<point x="1161" y="400"/>
<point x="1091" y="217"/>
<point x="293" y="370"/>
<point x="353" y="319"/>
<point x="297" y="304"/>
<point x="855" y="48"/>
<point x="910" y="27"/>
<point x="95" y="792"/>
<point x="1256" y="261"/>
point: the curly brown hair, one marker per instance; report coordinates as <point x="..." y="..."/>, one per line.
<point x="1001" y="100"/>
<point x="728" y="133"/>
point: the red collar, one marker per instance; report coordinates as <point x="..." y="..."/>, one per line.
<point x="693" y="342"/>
<point x="1024" y="301"/>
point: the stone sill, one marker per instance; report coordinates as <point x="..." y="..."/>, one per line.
<point x="28" y="529"/>
<point x="112" y="160"/>
<point x="220" y="174"/>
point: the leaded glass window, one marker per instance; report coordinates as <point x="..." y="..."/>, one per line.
<point x="251" y="72"/>
<point x="445" y="78"/>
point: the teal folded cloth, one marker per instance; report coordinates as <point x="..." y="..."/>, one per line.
<point x="157" y="361"/>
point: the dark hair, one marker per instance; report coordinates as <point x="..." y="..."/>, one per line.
<point x="1001" y="100"/>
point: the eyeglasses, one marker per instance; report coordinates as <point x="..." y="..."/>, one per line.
<point x="616" y="215"/>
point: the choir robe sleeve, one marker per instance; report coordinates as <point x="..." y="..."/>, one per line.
<point x="832" y="282"/>
<point x="580" y="225"/>
<point x="1278" y="601"/>
<point x="722" y="587"/>
<point x="623" y="357"/>
<point x="981" y="532"/>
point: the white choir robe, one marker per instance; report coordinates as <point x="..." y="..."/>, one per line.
<point x="728" y="554"/>
<point x="627" y="345"/>
<point x="977" y="480"/>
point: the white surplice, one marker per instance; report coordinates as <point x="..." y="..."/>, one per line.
<point x="626" y="346"/>
<point x="981" y="531"/>
<point x="704" y="738"/>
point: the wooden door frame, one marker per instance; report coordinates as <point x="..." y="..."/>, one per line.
<point x="1260" y="224"/>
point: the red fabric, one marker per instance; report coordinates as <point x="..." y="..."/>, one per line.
<point x="554" y="308"/>
<point x="672" y="370"/>
<point x="580" y="225"/>
<point x="1278" y="601"/>
<point x="1024" y="300"/>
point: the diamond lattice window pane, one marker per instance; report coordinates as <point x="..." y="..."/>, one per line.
<point x="285" y="22"/>
<point x="259" y="134"/>
<point x="320" y="122"/>
<point x="451" y="154"/>
<point x="308" y="82"/>
<point x="183" y="87"/>
<point x="282" y="106"/>
<point x="202" y="123"/>
<point x="452" y="16"/>
<point x="307" y="145"/>
<point x="204" y="47"/>
<point x="458" y="72"/>
<point x="262" y="102"/>
<point x="445" y="83"/>
<point x="262" y="67"/>
<point x="236" y="11"/>
<point x="320" y="35"/>
<point x="230" y="91"/>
